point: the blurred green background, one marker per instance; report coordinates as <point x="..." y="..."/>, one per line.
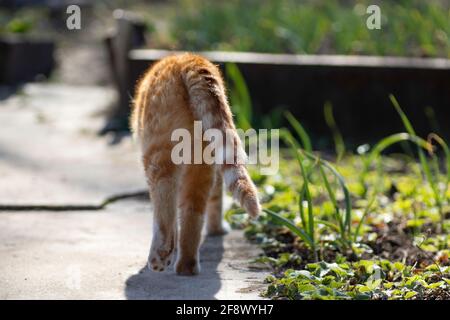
<point x="409" y="27"/>
<point x="418" y="28"/>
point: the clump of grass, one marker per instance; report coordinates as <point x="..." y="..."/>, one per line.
<point x="343" y="218"/>
<point x="381" y="146"/>
<point x="432" y="178"/>
<point x="307" y="231"/>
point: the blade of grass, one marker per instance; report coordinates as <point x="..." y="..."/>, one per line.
<point x="384" y="144"/>
<point x="404" y="118"/>
<point x="329" y="224"/>
<point x="332" y="196"/>
<point x="373" y="198"/>
<point x="239" y="96"/>
<point x="422" y="157"/>
<point x="444" y="146"/>
<point x="291" y="226"/>
<point x="301" y="132"/>
<point x="345" y="190"/>
<point x="363" y="217"/>
<point x="409" y="128"/>
<point x="391" y="140"/>
<point x="337" y="136"/>
<point x="300" y="206"/>
<point x="295" y="149"/>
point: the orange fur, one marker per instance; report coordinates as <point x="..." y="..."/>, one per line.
<point x="172" y="94"/>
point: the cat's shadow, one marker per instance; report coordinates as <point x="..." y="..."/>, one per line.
<point x="169" y="286"/>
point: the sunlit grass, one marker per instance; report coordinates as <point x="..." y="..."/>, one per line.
<point x="409" y="28"/>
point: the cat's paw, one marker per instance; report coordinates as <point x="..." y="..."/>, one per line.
<point x="159" y="260"/>
<point x="189" y="267"/>
<point x="160" y="254"/>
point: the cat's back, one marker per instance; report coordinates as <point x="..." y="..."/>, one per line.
<point x="173" y="70"/>
<point x="162" y="99"/>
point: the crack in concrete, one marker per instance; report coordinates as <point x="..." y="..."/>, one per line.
<point x="73" y="207"/>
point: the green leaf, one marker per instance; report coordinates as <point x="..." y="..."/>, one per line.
<point x="337" y="136"/>
<point x="240" y="96"/>
<point x="373" y="283"/>
<point x="403" y="116"/>
<point x="435" y="285"/>
<point x="364" y="289"/>
<point x="329" y="224"/>
<point x="301" y="132"/>
<point x="410" y="294"/>
<point x="399" y="266"/>
<point x="306" y="287"/>
<point x="291" y="226"/>
<point x="343" y="184"/>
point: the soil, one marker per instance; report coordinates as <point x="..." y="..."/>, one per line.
<point x="394" y="242"/>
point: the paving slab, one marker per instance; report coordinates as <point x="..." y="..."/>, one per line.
<point x="50" y="152"/>
<point x="102" y="255"/>
<point x="51" y="155"/>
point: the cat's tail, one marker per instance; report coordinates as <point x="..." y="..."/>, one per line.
<point x="239" y="183"/>
<point x="209" y="104"/>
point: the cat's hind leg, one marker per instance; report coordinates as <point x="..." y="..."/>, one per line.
<point x="162" y="185"/>
<point x="194" y="187"/>
<point x="215" y="226"/>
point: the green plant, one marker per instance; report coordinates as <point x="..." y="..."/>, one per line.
<point x="19" y="26"/>
<point x="314" y="213"/>
<point x="241" y="103"/>
<point x="343" y="220"/>
<point x="301" y="132"/>
<point x="242" y="106"/>
<point x="381" y="146"/>
<point x="361" y="280"/>
<point x="337" y="136"/>
<point x="432" y="179"/>
<point x="307" y="233"/>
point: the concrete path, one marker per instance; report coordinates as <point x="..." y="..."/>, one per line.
<point x="50" y="152"/>
<point x="50" y="155"/>
<point x="102" y="255"/>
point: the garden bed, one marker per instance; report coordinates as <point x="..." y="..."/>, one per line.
<point x="361" y="226"/>
<point x="412" y="259"/>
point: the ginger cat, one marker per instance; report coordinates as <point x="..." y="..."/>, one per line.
<point x="173" y="93"/>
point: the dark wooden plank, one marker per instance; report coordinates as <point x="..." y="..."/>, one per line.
<point x="357" y="86"/>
